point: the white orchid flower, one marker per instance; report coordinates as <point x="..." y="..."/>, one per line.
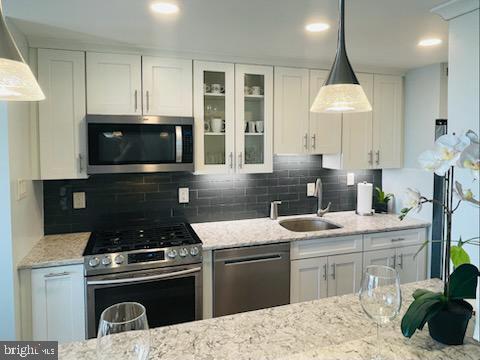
<point x="470" y="157"/>
<point x="448" y="149"/>
<point x="413" y="199"/>
<point x="465" y="195"/>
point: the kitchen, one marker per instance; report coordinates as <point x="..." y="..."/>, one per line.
<point x="202" y="173"/>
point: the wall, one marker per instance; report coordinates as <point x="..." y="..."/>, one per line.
<point x="25" y="216"/>
<point x="425" y="101"/>
<point x="112" y="200"/>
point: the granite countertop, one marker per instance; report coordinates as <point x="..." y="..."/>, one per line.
<point x="228" y="234"/>
<point x="331" y="328"/>
<point x="67" y="249"/>
<point x="56" y="250"/>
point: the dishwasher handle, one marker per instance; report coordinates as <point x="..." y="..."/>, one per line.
<point x="253" y="259"/>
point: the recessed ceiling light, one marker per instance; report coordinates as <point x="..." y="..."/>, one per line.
<point x="164" y="8"/>
<point x="317" y="27"/>
<point x="430" y="42"/>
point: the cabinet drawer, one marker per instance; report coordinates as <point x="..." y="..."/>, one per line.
<point x="302" y="249"/>
<point x="394" y="239"/>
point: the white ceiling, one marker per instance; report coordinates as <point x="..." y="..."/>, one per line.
<point x="381" y="33"/>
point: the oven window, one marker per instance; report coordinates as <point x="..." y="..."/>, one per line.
<point x="167" y="302"/>
<point x="122" y="144"/>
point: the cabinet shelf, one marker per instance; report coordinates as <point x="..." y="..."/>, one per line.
<point x="254" y="98"/>
<point x="215" y="133"/>
<point x="214" y="95"/>
<point x="254" y="134"/>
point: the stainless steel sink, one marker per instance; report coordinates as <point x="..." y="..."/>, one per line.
<point x="307" y="224"/>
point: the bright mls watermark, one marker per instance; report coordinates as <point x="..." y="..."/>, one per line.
<point x="34" y="350"/>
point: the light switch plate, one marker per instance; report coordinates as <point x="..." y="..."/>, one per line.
<point x="183" y="196"/>
<point x="21" y="189"/>
<point x="79" y="200"/>
<point x="311" y="189"/>
<point x="350" y="179"/>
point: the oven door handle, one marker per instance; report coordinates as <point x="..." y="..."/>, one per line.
<point x="144" y="278"/>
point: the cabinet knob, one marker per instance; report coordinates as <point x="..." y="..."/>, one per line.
<point x="370" y="157"/>
<point x="240" y="160"/>
<point x="314" y="142"/>
<point x="377" y="154"/>
<point x="305" y="141"/>
<point x="333" y="271"/>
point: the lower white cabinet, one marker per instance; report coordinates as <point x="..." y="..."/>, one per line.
<point x="316" y="278"/>
<point x="58" y="303"/>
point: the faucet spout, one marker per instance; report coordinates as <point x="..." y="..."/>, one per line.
<point x="319" y="195"/>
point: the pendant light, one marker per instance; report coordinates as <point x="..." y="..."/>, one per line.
<point x="17" y="82"/>
<point x="342" y="91"/>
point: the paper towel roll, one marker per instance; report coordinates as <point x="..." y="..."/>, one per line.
<point x="364" y="198"/>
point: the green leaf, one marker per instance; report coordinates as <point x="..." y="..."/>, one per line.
<point x="404" y="213"/>
<point x="425" y="243"/>
<point x="419" y="311"/>
<point x="459" y="256"/>
<point x="463" y="282"/>
<point x="434" y="310"/>
<point x="419" y="292"/>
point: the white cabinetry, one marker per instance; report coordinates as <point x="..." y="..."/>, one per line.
<point x="291" y="110"/>
<point x="114" y="84"/>
<point x="373" y="140"/>
<point x="62" y="133"/>
<point x="58" y="303"/>
<point x="233" y="109"/>
<point x="325" y="130"/>
<point x="167" y="86"/>
<point x="346" y="274"/>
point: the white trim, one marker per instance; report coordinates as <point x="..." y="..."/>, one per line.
<point x="455" y="8"/>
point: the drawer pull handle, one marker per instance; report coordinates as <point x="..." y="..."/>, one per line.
<point x="325" y="272"/>
<point x="333" y="271"/>
<point x="397" y="239"/>
<point x="401" y="261"/>
<point x="65" y="273"/>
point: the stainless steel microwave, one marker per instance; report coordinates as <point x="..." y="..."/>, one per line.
<point x="135" y="144"/>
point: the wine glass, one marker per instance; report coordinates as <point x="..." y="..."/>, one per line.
<point x="113" y="341"/>
<point x="380" y="296"/>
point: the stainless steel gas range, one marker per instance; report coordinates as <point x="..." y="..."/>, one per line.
<point x="159" y="266"/>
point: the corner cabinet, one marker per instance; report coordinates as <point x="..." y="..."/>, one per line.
<point x="61" y="116"/>
<point x="373" y="140"/>
<point x="233" y="109"/>
<point x="126" y="84"/>
<point x="58" y="303"/>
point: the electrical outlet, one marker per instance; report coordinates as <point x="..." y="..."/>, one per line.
<point x="79" y="200"/>
<point x="21" y="189"/>
<point x="350" y="179"/>
<point x="311" y="189"/>
<point x="183" y="196"/>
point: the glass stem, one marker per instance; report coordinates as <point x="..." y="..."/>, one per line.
<point x="378" y="340"/>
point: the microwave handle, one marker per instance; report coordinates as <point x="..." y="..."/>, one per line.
<point x="178" y="144"/>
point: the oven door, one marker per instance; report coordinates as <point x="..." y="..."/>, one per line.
<point x="139" y="144"/>
<point x="170" y="295"/>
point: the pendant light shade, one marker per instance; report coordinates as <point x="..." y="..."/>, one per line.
<point x="342" y="91"/>
<point x="17" y="82"/>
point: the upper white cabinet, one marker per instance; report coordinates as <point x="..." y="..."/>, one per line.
<point x="167" y="86"/>
<point x="291" y="111"/>
<point x="325" y="130"/>
<point x="214" y="111"/>
<point x="254" y="118"/>
<point x="114" y="84"/>
<point x="62" y="133"/>
<point x="373" y="140"/>
<point x="58" y="303"/>
<point x="387" y="121"/>
<point x="233" y="109"/>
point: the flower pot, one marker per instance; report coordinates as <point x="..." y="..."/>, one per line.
<point x="381" y="208"/>
<point x="450" y="324"/>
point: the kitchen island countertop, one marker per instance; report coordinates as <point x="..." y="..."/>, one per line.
<point x="331" y="328"/>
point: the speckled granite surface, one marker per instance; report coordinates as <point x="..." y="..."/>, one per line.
<point x="331" y="328"/>
<point x="65" y="249"/>
<point x="56" y="250"/>
<point x="224" y="234"/>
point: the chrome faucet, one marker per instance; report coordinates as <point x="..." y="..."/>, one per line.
<point x="274" y="209"/>
<point x="319" y="194"/>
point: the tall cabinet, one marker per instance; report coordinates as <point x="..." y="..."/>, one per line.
<point x="233" y="109"/>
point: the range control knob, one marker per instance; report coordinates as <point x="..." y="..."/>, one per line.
<point x="93" y="261"/>
<point x="183" y="252"/>
<point x="194" y="251"/>
<point x="172" y="254"/>
<point x="119" y="259"/>
<point x="106" y="260"/>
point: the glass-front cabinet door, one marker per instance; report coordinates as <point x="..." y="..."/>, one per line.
<point x="254" y="118"/>
<point x="214" y="113"/>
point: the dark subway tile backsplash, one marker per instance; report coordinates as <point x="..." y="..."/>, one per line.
<point x="116" y="200"/>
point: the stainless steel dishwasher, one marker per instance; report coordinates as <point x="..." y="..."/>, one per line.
<point x="251" y="278"/>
